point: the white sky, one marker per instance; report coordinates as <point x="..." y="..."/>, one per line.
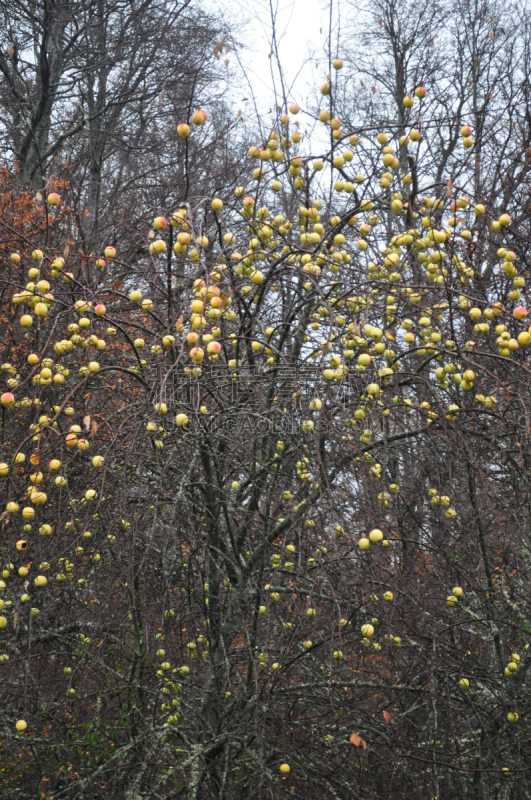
<point x="301" y="30"/>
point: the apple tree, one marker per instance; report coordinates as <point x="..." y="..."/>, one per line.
<point x="265" y="521"/>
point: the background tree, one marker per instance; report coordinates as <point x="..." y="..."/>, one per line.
<point x="91" y="91"/>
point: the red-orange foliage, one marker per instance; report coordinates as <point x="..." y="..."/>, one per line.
<point x="25" y="220"/>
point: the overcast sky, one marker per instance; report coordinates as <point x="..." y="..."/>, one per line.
<point x="301" y="30"/>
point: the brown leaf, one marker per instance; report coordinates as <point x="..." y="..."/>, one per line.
<point x="179" y="323"/>
<point x="491" y="36"/>
<point x="151" y="234"/>
<point x="86" y="421"/>
<point x="38" y="197"/>
<point x="66" y="252"/>
<point x="218" y="49"/>
<point x="95" y="427"/>
<point x="362" y="84"/>
<point x="226" y="62"/>
<point x="358" y="741"/>
<point x="387" y="716"/>
<point x="11" y="50"/>
<point x="449" y="187"/>
<point x="373" y="90"/>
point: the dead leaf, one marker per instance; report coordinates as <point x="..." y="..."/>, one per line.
<point x="15" y="618"/>
<point x="66" y="252"/>
<point x="11" y="50"/>
<point x="387" y="716"/>
<point x="358" y="741"/>
<point x="373" y="90"/>
<point x="95" y="427"/>
<point x="218" y="49"/>
<point x="151" y="234"/>
<point x="362" y="85"/>
<point x="491" y="36"/>
<point x="226" y="62"/>
<point x="179" y="323"/>
<point x="86" y="421"/>
<point x="227" y="48"/>
<point x="38" y="197"/>
<point x="449" y="187"/>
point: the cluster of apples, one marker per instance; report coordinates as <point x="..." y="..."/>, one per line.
<point x="321" y="248"/>
<point x="199" y="118"/>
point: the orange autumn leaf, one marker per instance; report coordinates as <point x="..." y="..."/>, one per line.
<point x="358" y="741"/>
